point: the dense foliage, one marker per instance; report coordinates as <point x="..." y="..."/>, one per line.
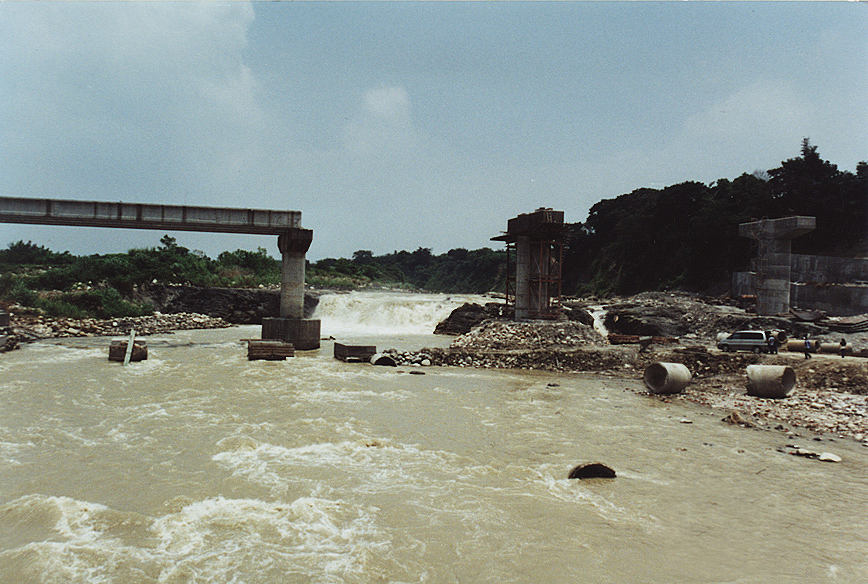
<point x="686" y="235"/>
<point x="104" y="286"/>
<point x="682" y="236"/>
<point x="23" y="254"/>
<point x="458" y="270"/>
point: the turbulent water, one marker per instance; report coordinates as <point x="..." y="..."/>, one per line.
<point x="198" y="465"/>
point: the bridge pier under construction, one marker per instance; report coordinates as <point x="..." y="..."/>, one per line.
<point x="774" y="243"/>
<point x="533" y="281"/>
<point x="292" y="240"/>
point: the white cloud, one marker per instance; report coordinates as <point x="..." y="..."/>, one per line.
<point x="383" y="126"/>
<point x="762" y="110"/>
<point x="137" y="101"/>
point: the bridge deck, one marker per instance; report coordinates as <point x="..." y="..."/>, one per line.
<point x="146" y="216"/>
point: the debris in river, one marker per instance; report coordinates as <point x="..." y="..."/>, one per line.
<point x="381" y="359"/>
<point x="354" y="353"/>
<point x="269" y="350"/>
<point x="797" y="450"/>
<point x="118" y="351"/>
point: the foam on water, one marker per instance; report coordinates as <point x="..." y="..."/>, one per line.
<point x="218" y="540"/>
<point x="374" y="465"/>
<point x="385" y="313"/>
<point x="572" y="491"/>
<point x="48" y="353"/>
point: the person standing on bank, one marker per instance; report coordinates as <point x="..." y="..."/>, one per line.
<point x="807" y="348"/>
<point x="843" y="347"/>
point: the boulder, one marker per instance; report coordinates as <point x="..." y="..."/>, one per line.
<point x="592" y="470"/>
<point x="579" y="315"/>
<point x="649" y="321"/>
<point x="467" y="316"/>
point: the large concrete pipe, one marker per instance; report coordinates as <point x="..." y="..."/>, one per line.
<point x="592" y="470"/>
<point x="770" y="381"/>
<point x="667" y="377"/>
<point x="831" y="348"/>
<point x="798" y="346"/>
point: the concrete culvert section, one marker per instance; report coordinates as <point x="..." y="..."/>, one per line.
<point x="770" y="381"/>
<point x="667" y="377"/>
<point x="384" y="360"/>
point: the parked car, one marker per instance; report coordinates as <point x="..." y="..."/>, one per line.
<point x="754" y="341"/>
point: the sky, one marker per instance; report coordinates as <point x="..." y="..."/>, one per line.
<point x="394" y="126"/>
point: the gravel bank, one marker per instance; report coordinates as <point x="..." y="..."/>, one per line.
<point x="28" y="328"/>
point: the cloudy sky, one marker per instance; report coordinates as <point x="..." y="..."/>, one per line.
<point x="395" y="126"/>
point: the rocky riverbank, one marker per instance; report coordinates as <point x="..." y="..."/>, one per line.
<point x="177" y="308"/>
<point x="28" y="327"/>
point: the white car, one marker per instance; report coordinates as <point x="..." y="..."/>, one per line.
<point x="754" y="341"/>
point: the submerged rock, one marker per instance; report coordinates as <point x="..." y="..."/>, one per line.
<point x="592" y="470"/>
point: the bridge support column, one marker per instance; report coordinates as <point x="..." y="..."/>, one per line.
<point x="522" y="278"/>
<point x="774" y="242"/>
<point x="291" y="326"/>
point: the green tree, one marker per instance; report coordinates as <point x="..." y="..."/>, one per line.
<point x="809" y="185"/>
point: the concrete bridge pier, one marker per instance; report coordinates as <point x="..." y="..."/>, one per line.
<point x="774" y="243"/>
<point x="291" y="326"/>
<point x="534" y="280"/>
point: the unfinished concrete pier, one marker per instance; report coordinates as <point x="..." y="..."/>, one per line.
<point x="773" y="263"/>
<point x="535" y="241"/>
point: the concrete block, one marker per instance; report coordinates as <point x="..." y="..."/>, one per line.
<point x="118" y="351"/>
<point x="303" y="333"/>
<point x="269" y="350"/>
<point x="354" y="353"/>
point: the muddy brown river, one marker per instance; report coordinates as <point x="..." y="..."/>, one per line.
<point x="198" y="465"/>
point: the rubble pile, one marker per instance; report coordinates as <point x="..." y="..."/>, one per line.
<point x="590" y="359"/>
<point x="498" y="344"/>
<point x="465" y="317"/>
<point x="825" y="411"/>
<point x="498" y="335"/>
